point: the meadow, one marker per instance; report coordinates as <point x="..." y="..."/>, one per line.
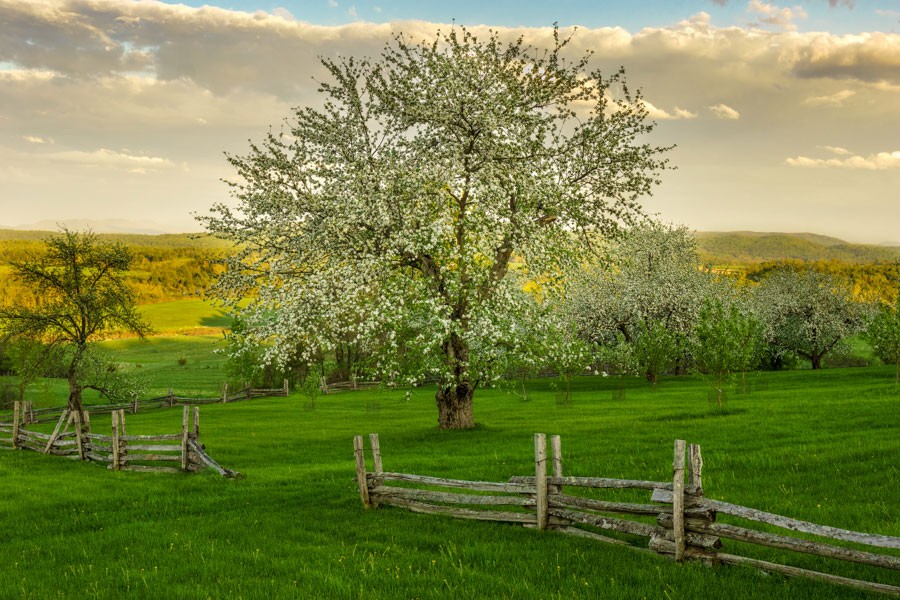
<point x="820" y="446"/>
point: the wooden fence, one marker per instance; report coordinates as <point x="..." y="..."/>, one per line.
<point x="685" y="524"/>
<point x="72" y="438"/>
<point x="48" y="415"/>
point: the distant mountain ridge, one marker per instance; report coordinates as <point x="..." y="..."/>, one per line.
<point x="751" y="247"/>
<point x="98" y="226"/>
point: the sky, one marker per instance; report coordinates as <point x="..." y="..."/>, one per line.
<point x="785" y="117"/>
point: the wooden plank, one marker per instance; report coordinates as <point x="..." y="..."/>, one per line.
<point x="15" y="427"/>
<point x="196" y="422"/>
<point x="678" y="499"/>
<point x="375" y="445"/>
<point x="774" y="540"/>
<point x="154" y="457"/>
<point x="598" y="482"/>
<point x="154" y="448"/>
<point x="449" y="497"/>
<point x="569" y="530"/>
<point x="556" y="461"/>
<point x="34" y="435"/>
<point x="148" y="469"/>
<point x="53" y="436"/>
<point x="152" y="438"/>
<point x="115" y="442"/>
<point x="361" y="480"/>
<point x="78" y="433"/>
<point x="96" y="456"/>
<point x="609" y="523"/>
<point x="751" y="514"/>
<point x="481" y="486"/>
<point x="564" y="501"/>
<point x="208" y="461"/>
<point x="797" y="572"/>
<point x="185" y="432"/>
<point x="461" y="513"/>
<point x="540" y="479"/>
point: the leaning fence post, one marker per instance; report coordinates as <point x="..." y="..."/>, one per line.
<point x="360" y="452"/>
<point x="62" y="419"/>
<point x="678" y="499"/>
<point x="540" y="479"/>
<point x="15" y="438"/>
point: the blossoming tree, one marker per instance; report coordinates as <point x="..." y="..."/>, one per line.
<point x="408" y="212"/>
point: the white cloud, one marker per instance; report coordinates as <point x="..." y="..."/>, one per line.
<point x="837" y="150"/>
<point x="351" y="12"/>
<point x="723" y="111"/>
<point x="283" y="13"/>
<point x="776" y="16"/>
<point x="836" y="99"/>
<point x="332" y="4"/>
<point x="34" y="139"/>
<point x="663" y="115"/>
<point x="110" y="158"/>
<point x="377" y="9"/>
<point x="874" y="162"/>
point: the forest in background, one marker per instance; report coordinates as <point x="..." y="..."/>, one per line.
<point x="178" y="266"/>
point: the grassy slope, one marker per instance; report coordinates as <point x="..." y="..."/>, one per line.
<point x="820" y="446"/>
<point x="744" y="247"/>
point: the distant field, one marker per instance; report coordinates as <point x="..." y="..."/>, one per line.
<point x="821" y="446"/>
<point x="185" y="315"/>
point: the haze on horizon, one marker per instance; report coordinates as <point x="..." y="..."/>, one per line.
<point x="786" y="117"/>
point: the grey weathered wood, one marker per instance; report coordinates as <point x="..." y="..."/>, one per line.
<point x="461" y="513"/>
<point x="115" y="441"/>
<point x="225" y="393"/>
<point x="56" y="430"/>
<point x="448" y="497"/>
<point x="149" y="469"/>
<point x="798" y="572"/>
<point x="122" y="430"/>
<point x="208" y="461"/>
<point x="481" y="486"/>
<point x="609" y="523"/>
<point x="154" y="457"/>
<point x="375" y="445"/>
<point x="774" y="540"/>
<point x="540" y="479"/>
<point x="751" y="514"/>
<point x="15" y="427"/>
<point x="98" y="457"/>
<point x="663" y="545"/>
<point x="569" y="530"/>
<point x="152" y="438"/>
<point x="361" y="480"/>
<point x="564" y="501"/>
<point x="185" y="433"/>
<point x="196" y="422"/>
<point x="34" y="435"/>
<point x="556" y="461"/>
<point x="78" y="433"/>
<point x="695" y="466"/>
<point x="597" y="482"/>
<point x="678" y="499"/>
<point x="154" y="448"/>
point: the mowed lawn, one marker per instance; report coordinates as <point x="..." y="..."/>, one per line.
<point x="821" y="446"/>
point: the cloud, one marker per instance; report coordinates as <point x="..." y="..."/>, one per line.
<point x="282" y="12"/>
<point x="37" y="140"/>
<point x="837" y="150"/>
<point x="870" y="57"/>
<point x="775" y="15"/>
<point x="874" y="162"/>
<point x="351" y="12"/>
<point x="332" y="4"/>
<point x="723" y="111"/>
<point x="662" y="115"/>
<point x="110" y="158"/>
<point x="836" y="99"/>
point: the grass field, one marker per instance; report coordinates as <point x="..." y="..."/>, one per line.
<point x="190" y="314"/>
<point x="820" y="446"/>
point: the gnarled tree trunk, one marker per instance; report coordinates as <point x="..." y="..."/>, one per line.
<point x="455" y="406"/>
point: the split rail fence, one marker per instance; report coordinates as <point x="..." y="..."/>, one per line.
<point x="170" y="400"/>
<point x="685" y="525"/>
<point x="73" y="438"/>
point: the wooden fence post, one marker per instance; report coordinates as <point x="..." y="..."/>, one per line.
<point x="376" y="459"/>
<point x="287" y="388"/>
<point x="225" y="393"/>
<point x="556" y="460"/>
<point x="16" y="416"/>
<point x="185" y="417"/>
<point x="360" y="453"/>
<point x="540" y="479"/>
<point x="695" y="464"/>
<point x="115" y="440"/>
<point x="134" y="406"/>
<point x="678" y="499"/>
<point x="196" y="422"/>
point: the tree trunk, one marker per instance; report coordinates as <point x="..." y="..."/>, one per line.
<point x="816" y="361"/>
<point x="455" y="406"/>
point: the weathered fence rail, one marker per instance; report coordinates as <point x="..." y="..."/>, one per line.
<point x="685" y="526"/>
<point x="170" y="400"/>
<point x="120" y="451"/>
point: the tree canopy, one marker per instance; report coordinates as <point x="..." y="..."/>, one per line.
<point x="435" y="182"/>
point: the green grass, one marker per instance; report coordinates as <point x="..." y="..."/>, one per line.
<point x="821" y="446"/>
<point x="181" y="315"/>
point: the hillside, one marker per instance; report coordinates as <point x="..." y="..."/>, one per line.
<point x="733" y="248"/>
